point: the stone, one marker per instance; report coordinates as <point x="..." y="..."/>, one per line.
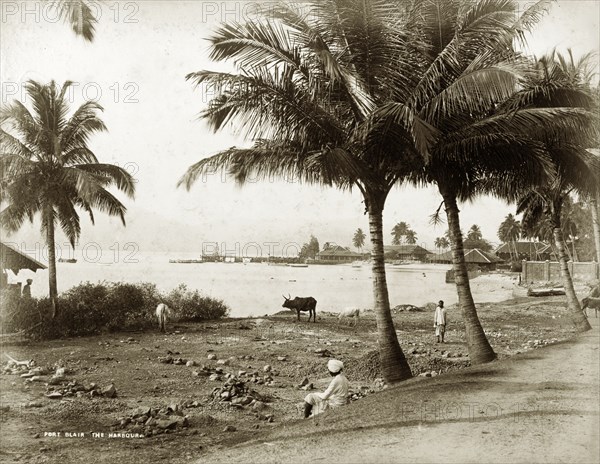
<point x="225" y="395"/>
<point x="281" y="358"/>
<point x="304" y="381"/>
<point x="214" y="377"/>
<point x="109" y="391"/>
<point x="151" y="422"/>
<point x="241" y="373"/>
<point x="34" y="404"/>
<point x="54" y="395"/>
<point x="267" y="368"/>
<point x="170" y="423"/>
<point x="223" y="362"/>
<point x="54" y="380"/>
<point x="212" y="356"/>
<point x="141" y="411"/>
<point x="258" y="406"/>
<point x="190" y="363"/>
<point x="229" y="428"/>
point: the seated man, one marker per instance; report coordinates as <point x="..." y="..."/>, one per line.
<point x="335" y="395"/>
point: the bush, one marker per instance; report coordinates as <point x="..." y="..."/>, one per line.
<point x="92" y="308"/>
<point x="192" y="306"/>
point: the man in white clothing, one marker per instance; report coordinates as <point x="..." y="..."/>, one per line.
<point x="335" y="395"/>
<point x="439" y="321"/>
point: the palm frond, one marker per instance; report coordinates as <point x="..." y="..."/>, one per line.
<point x="79" y="15"/>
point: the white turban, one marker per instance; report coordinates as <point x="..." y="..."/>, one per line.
<point x="334" y="365"/>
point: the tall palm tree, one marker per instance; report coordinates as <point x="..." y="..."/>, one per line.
<point x="304" y="87"/>
<point x="359" y="239"/>
<point x="472" y="148"/>
<point x="399" y="232"/>
<point x="46" y="167"/>
<point x="509" y="232"/>
<point x="560" y="80"/>
<point x="594" y="202"/>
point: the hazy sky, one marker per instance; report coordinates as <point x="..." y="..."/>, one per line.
<point x="136" y="69"/>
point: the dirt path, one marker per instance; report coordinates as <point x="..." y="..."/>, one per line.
<point x="540" y="406"/>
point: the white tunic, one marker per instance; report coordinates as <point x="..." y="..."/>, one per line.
<point x="335" y="395"/>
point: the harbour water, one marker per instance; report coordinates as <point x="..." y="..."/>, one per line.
<point x="253" y="289"/>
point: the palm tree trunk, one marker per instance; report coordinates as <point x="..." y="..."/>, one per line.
<point x="480" y="350"/>
<point x="596" y="224"/>
<point x="579" y="320"/>
<point x="394" y="366"/>
<point x="53" y="288"/>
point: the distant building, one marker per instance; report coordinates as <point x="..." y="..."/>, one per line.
<point x="531" y="251"/>
<point x="338" y="253"/>
<point x="474" y="258"/>
<point x="406" y="252"/>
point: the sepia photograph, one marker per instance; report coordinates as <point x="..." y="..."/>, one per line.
<point x="297" y="231"/>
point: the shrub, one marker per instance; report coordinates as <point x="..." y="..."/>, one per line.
<point x="191" y="305"/>
<point x="92" y="308"/>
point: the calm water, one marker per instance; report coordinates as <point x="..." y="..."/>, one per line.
<point x="257" y="289"/>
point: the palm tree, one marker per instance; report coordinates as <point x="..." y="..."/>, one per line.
<point x="509" y="232"/>
<point x="559" y="80"/>
<point x="471" y="147"/>
<point x="444" y="243"/>
<point x="399" y="232"/>
<point x="359" y="239"/>
<point x="305" y="85"/>
<point x="474" y="233"/>
<point x="47" y="167"/>
<point x="411" y="237"/>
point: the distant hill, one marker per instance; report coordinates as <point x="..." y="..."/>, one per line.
<point x="148" y="230"/>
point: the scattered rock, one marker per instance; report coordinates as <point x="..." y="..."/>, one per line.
<point x="109" y="391"/>
<point x="229" y="428"/>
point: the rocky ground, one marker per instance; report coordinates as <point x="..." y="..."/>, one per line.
<point x="127" y="397"/>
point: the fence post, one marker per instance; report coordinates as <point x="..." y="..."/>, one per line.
<point x="547" y="270"/>
<point x="524" y="271"/>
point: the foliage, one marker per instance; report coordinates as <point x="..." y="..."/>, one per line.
<point x="401" y="233"/>
<point x="358" y="240"/>
<point x="310" y="249"/>
<point x="92" y="308"/>
<point x="509" y="230"/>
<point x="192" y="306"/>
<point x="47" y="168"/>
<point x="482" y="244"/>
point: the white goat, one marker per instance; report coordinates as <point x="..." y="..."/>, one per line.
<point x="162" y="313"/>
<point x="348" y="313"/>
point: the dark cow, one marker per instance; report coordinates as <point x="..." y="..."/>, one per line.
<point x="302" y="304"/>
<point x="592" y="303"/>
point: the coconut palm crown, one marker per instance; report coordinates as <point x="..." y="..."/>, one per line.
<point x="46" y="167"/>
<point x="305" y="84"/>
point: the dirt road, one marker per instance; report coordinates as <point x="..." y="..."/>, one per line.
<point x="540" y="406"/>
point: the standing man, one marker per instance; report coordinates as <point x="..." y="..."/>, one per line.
<point x="439" y="321"/>
<point x="26" y="292"/>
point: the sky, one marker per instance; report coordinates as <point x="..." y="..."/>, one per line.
<point x="136" y="69"/>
